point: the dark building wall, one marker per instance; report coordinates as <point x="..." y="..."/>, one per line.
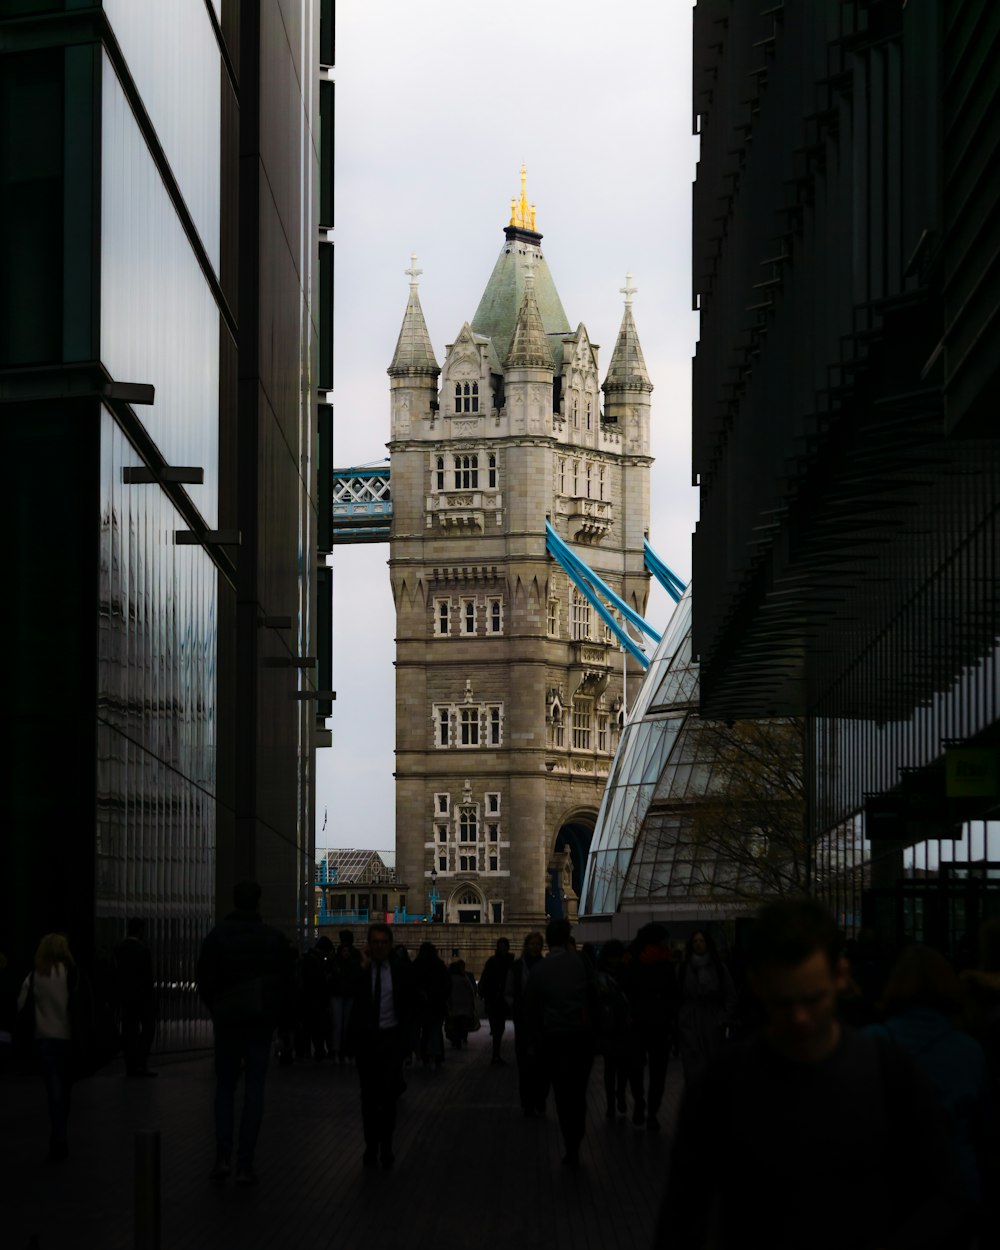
<point x="844" y="435"/>
<point x="279" y="109"/>
<point x="145" y="769"/>
<point x="46" y="848"/>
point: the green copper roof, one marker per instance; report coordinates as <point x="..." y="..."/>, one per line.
<point x="414" y="353"/>
<point x="627" y="371"/>
<point x="530" y="347"/>
<point x="496" y="315"/>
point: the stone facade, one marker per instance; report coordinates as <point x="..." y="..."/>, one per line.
<point x="508" y="686"/>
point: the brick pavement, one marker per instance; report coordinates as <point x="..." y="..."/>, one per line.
<point x="471" y="1170"/>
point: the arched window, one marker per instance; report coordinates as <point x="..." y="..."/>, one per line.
<point x="492" y="478"/>
<point x="439" y="477"/>
<point x="467" y="825"/>
<point x="580" y="608"/>
<point x="466" y="472"/>
<point x="466" y="396"/>
<point x="557" y="728"/>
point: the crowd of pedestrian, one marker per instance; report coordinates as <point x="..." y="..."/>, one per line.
<point x="810" y="1068"/>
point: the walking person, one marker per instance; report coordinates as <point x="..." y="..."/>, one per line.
<point x="461" y="1018"/>
<point x="345" y="968"/>
<point x="647" y="977"/>
<point x="433" y="985"/>
<point x="46" y="1000"/>
<point x="492" y="985"/>
<point x="315" y="997"/>
<point x="243" y="980"/>
<point x="383" y="1009"/>
<point x="560" y="1001"/>
<point x="707" y="1003"/>
<point x="920" y="1001"/>
<point x="809" y="1133"/>
<point x="532" y="1085"/>
<point x="135" y="988"/>
<point x="614" y="1040"/>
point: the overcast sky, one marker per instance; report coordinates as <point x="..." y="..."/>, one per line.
<point x="437" y="104"/>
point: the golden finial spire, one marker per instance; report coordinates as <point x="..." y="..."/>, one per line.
<point x="521" y="213"/>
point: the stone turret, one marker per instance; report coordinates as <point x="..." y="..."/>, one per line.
<point x="627" y="387"/>
<point x="528" y="369"/>
<point x="414" y="370"/>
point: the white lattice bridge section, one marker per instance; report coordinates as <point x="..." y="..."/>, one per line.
<point x="362" y="505"/>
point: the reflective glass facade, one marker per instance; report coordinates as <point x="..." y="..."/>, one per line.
<point x="174" y="59"/>
<point x="845" y="440"/>
<point x="165" y="737"/>
<point x="159" y="319"/>
<point x="156" y="729"/>
<point x="648" y="854"/>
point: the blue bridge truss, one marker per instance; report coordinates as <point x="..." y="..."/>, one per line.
<point x="362" y="505"/>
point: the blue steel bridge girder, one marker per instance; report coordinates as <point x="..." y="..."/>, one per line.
<point x="361" y="504"/>
<point x="601" y="597"/>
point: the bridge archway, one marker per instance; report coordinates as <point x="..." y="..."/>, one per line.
<point x="563" y="888"/>
<point x="466" y="905"/>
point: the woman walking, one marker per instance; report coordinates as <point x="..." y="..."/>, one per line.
<point x="51" y="985"/>
<point x="707" y="1003"/>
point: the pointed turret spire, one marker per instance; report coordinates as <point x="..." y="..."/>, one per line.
<point x="414" y="353"/>
<point x="627" y="371"/>
<point x="529" y="346"/>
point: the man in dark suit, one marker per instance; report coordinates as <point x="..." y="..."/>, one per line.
<point x="380" y="1022"/>
<point x="244" y="980"/>
<point x="136" y="988"/>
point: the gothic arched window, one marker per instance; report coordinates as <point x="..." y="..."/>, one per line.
<point x="466" y="472"/>
<point x="466" y="396"/>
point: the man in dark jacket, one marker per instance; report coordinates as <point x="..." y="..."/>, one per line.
<point x="533" y="1084"/>
<point x="649" y="982"/>
<point x="244" y="980"/>
<point x="381" y="1021"/>
<point x="492" y="985"/>
<point x="135" y="990"/>
<point x="560" y="1005"/>
<point x="809" y="1134"/>
<point x="345" y="968"/>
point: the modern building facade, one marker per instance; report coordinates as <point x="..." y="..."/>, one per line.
<point x="508" y="690"/>
<point x="845" y="436"/>
<point x="701" y="820"/>
<point x="159" y="347"/>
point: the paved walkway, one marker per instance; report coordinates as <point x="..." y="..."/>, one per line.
<point x="471" y="1170"/>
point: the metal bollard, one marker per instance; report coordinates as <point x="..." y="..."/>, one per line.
<point x="147" y="1189"/>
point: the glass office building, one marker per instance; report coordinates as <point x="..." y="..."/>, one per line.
<point x="160" y="322"/>
<point x="675" y="840"/>
<point x="845" y="440"/>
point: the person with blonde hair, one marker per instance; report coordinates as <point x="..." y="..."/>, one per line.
<point x="51" y="985"/>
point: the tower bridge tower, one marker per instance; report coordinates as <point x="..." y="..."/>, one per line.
<point x="509" y="693"/>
